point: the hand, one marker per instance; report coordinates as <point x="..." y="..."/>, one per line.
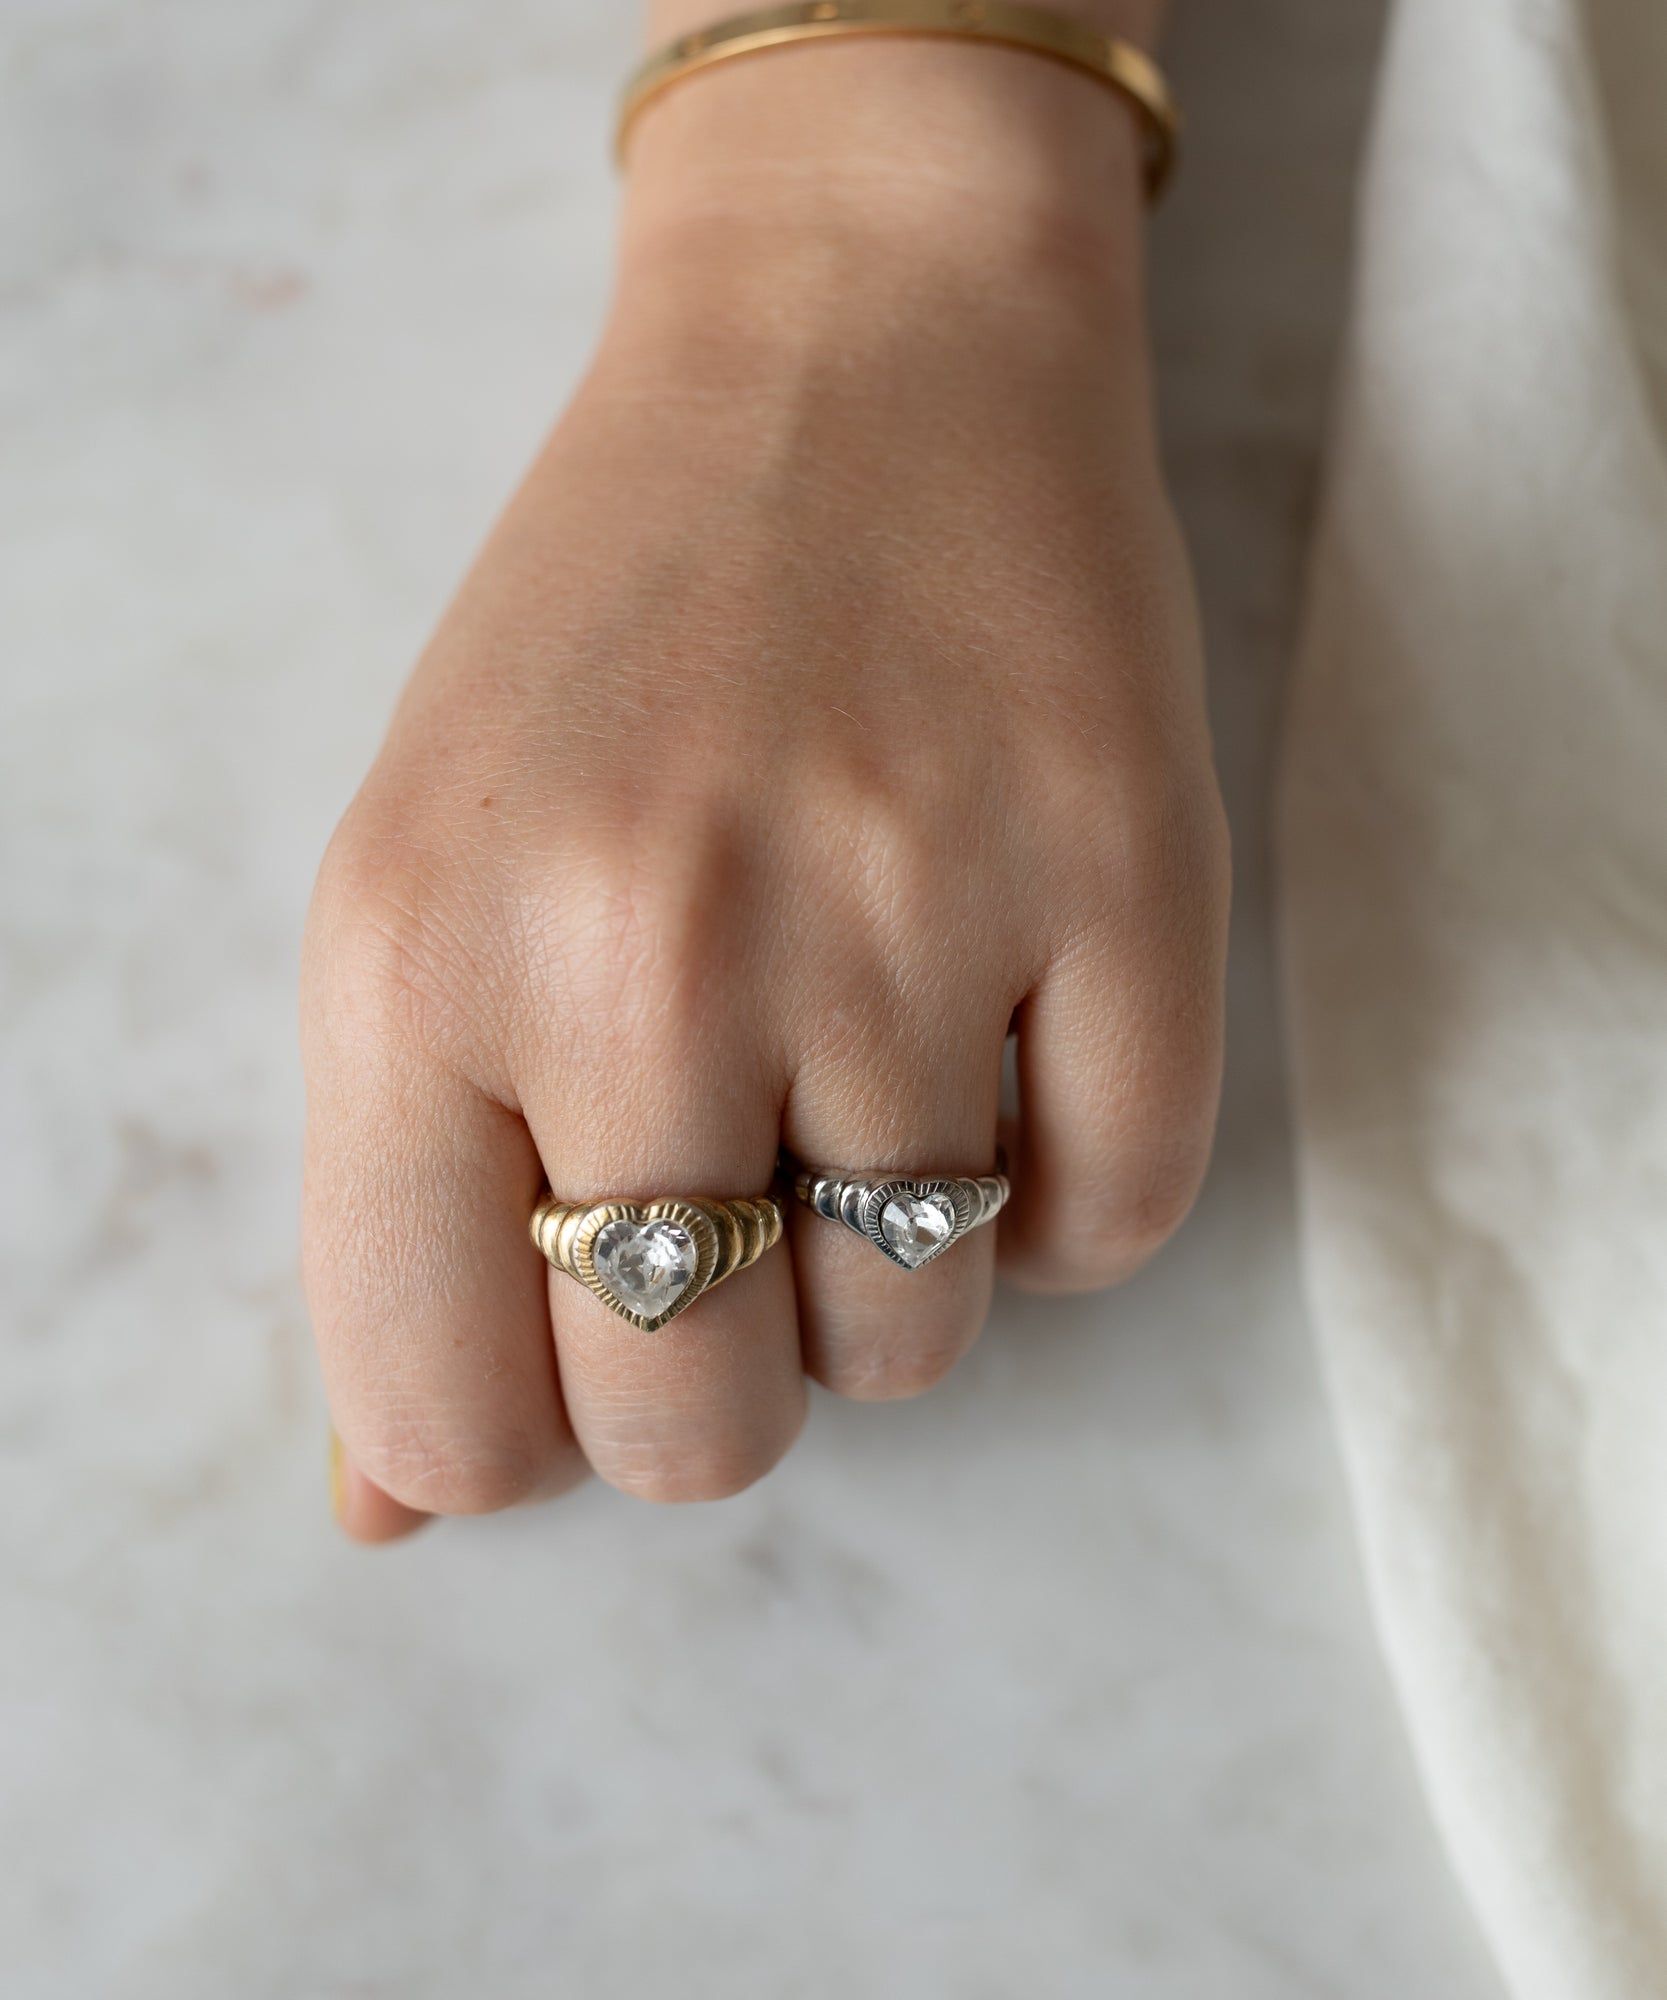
<point x="827" y="702"/>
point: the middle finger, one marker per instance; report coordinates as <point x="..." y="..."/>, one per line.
<point x="706" y="1404"/>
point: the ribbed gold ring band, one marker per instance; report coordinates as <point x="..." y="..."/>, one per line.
<point x="1008" y="23"/>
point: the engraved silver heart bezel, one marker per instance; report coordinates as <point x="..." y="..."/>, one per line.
<point x="953" y="1193"/>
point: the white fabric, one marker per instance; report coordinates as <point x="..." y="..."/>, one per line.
<point x="1475" y="845"/>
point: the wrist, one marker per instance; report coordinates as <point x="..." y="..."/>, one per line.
<point x="853" y="177"/>
<point x="1000" y="122"/>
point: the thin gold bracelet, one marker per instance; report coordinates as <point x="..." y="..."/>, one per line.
<point x="1007" y="23"/>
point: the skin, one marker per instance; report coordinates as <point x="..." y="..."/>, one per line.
<point x="827" y="703"/>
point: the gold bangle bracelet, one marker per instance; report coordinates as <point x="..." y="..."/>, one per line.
<point x="1006" y="23"/>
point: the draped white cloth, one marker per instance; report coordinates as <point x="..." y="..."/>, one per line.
<point x="1474" y="842"/>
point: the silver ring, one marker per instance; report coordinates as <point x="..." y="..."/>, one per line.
<point x="910" y="1218"/>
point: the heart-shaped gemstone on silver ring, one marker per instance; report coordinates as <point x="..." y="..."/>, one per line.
<point x="916" y="1227"/>
<point x="913" y="1221"/>
<point x="909" y="1218"/>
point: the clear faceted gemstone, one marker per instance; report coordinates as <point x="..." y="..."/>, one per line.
<point x="916" y="1225"/>
<point x="647" y="1266"/>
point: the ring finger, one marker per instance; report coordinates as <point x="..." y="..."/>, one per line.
<point x="921" y="1101"/>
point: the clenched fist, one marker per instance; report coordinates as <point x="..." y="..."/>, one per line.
<point x="826" y="707"/>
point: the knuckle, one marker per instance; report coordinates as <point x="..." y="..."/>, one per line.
<point x="1177" y="847"/>
<point x="1143" y="1224"/>
<point x="899" y="868"/>
<point x="866" y="1345"/>
<point x="880" y="1372"/>
<point x="385" y="948"/>
<point x="1152" y="822"/>
<point x="639" y="932"/>
<point x="1159" y="1211"/>
<point x="446" y="1469"/>
<point x="683" y="1476"/>
<point x="1100" y="1243"/>
<point x="1148" y="861"/>
<point x="873" y="830"/>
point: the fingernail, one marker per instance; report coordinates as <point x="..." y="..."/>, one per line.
<point x="338" y="1476"/>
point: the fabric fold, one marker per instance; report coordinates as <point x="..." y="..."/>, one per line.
<point x="1474" y="862"/>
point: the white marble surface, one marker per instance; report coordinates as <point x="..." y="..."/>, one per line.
<point x="1058" y="1682"/>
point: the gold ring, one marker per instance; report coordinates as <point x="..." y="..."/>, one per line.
<point x="648" y="1261"/>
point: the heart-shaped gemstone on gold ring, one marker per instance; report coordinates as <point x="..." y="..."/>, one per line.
<point x="648" y="1261"/>
<point x="647" y="1266"/>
